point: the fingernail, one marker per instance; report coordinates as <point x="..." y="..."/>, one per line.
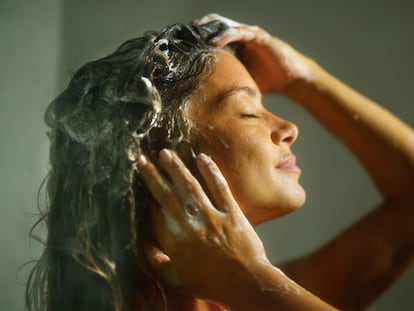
<point x="165" y="156"/>
<point x="213" y="41"/>
<point x="203" y="158"/>
<point x="142" y="160"/>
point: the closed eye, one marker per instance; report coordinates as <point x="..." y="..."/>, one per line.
<point x="248" y="116"/>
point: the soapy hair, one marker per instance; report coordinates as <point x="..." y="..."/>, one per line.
<point x="115" y="108"/>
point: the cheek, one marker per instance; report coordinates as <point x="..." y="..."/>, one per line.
<point x="238" y="152"/>
<point x="233" y="149"/>
<point x="213" y="142"/>
<point x="241" y="163"/>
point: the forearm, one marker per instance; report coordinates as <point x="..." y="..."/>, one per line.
<point x="383" y="143"/>
<point x="272" y="290"/>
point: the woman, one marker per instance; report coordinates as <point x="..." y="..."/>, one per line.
<point x="194" y="227"/>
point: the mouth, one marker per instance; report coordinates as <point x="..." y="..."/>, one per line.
<point x="289" y="164"/>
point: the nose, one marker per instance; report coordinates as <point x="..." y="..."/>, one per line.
<point x="284" y="131"/>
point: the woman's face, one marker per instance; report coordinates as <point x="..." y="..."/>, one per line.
<point x="249" y="144"/>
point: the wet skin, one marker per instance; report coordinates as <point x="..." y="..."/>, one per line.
<point x="252" y="148"/>
<point x="251" y="145"/>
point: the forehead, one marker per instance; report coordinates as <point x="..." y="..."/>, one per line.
<point x="228" y="75"/>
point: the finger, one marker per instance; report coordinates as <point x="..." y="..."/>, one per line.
<point x="213" y="26"/>
<point x="162" y="264"/>
<point x="216" y="18"/>
<point x="156" y="257"/>
<point x="168" y="227"/>
<point x="216" y="183"/>
<point x="234" y="35"/>
<point x="185" y="183"/>
<point x="167" y="220"/>
<point x="158" y="185"/>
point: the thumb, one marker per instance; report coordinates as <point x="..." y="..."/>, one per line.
<point x="162" y="265"/>
<point x="156" y="257"/>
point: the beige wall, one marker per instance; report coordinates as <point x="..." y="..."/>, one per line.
<point x="29" y="53"/>
<point x="368" y="44"/>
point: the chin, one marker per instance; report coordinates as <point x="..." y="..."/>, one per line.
<point x="290" y="204"/>
<point x="298" y="200"/>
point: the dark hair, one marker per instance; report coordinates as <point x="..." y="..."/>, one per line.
<point x="113" y="109"/>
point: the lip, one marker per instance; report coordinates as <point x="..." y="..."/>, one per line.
<point x="289" y="164"/>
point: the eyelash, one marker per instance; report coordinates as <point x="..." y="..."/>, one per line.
<point x="248" y="116"/>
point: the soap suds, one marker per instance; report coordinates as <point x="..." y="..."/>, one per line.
<point x="296" y="65"/>
<point x="173" y="225"/>
<point x="284" y="288"/>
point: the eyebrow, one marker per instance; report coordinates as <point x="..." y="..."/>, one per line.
<point x="234" y="90"/>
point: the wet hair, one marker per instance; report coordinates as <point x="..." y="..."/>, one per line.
<point x="113" y="109"/>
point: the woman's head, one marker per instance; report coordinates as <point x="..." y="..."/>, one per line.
<point x="251" y="145"/>
<point x="145" y="96"/>
<point x="129" y="102"/>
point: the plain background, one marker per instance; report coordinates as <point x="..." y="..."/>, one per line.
<point x="367" y="44"/>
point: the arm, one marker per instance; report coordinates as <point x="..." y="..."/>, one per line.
<point x="213" y="252"/>
<point x="360" y="264"/>
<point x="380" y="247"/>
<point x="368" y="257"/>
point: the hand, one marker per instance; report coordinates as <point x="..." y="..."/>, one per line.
<point x="203" y="249"/>
<point x="272" y="63"/>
